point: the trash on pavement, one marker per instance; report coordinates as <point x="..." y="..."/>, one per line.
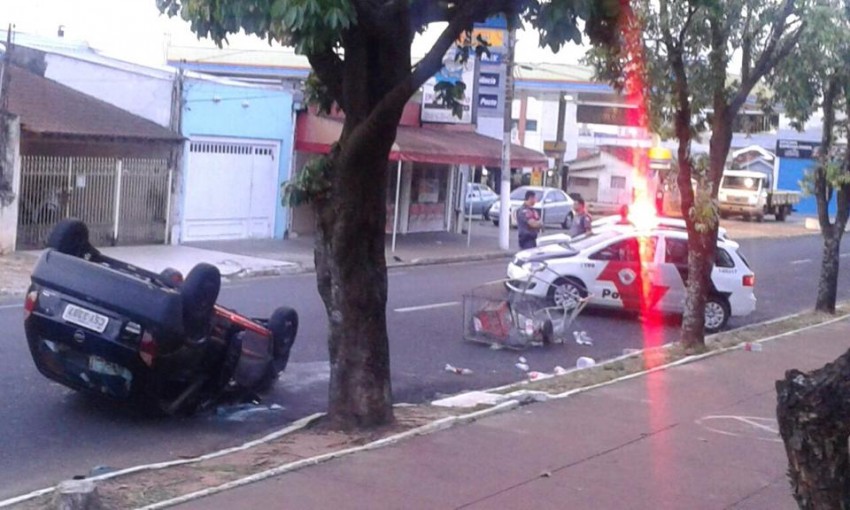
<point x="522" y="366"/>
<point x="753" y="347"/>
<point x="456" y="370"/>
<point x="585" y="362"/>
<point x="522" y="359"/>
<point x="470" y="399"/>
<point x="559" y="370"/>
<point x="496" y="347"/>
<point x="582" y="338"/>
<point x="537" y="376"/>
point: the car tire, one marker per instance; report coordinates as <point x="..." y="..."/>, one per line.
<point x="199" y="293"/>
<point x="717" y="313"/>
<point x="781" y="213"/>
<point x="568" y="221"/>
<point x="71" y="237"/>
<point x="283" y="324"/>
<point x="496" y="222"/>
<point x="567" y="288"/>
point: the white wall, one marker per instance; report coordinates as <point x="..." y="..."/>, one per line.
<point x="147" y="95"/>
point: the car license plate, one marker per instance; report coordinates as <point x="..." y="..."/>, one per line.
<point x="85" y="318"/>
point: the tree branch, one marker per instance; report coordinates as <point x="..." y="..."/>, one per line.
<point x="424" y="12"/>
<point x="692" y="9"/>
<point x="464" y="15"/>
<point x="328" y="67"/>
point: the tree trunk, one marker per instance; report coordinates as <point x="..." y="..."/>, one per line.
<point x="828" y="282"/>
<point x="350" y="255"/>
<point x="813" y="411"/>
<point x="352" y="280"/>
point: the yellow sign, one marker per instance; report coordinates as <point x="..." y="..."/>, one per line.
<point x="494" y="36"/>
<point x="660" y="153"/>
<point x="537" y="178"/>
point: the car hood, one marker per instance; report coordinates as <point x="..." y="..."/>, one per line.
<point x="544" y="253"/>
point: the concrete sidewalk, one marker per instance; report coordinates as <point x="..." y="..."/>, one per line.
<point x="248" y="257"/>
<point x="695" y="436"/>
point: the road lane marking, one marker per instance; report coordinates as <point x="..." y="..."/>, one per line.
<point x="801" y="261"/>
<point x="427" y="307"/>
<point x="9" y="307"/>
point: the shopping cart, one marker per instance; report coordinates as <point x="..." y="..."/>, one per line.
<point x="494" y="314"/>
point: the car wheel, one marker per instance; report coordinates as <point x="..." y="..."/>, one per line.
<point x="716" y="313"/>
<point x="568" y="221"/>
<point x="71" y="237"/>
<point x="199" y="293"/>
<point x="284" y="327"/>
<point x="781" y="213"/>
<point x="496" y="222"/>
<point x="567" y="292"/>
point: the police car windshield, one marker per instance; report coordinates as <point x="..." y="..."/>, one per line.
<point x="519" y="194"/>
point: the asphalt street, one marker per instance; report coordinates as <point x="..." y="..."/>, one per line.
<point x="50" y="433"/>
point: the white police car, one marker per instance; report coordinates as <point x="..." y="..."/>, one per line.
<point x="607" y="266"/>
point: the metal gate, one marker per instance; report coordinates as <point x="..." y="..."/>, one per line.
<point x="123" y="201"/>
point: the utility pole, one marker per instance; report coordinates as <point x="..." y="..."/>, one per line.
<point x="505" y="187"/>
<point x="4" y="74"/>
<point x="559" y="159"/>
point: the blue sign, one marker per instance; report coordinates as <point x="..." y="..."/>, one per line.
<point x="488" y="101"/>
<point x="492" y="58"/>
<point x="498" y="21"/>
<point x="488" y="79"/>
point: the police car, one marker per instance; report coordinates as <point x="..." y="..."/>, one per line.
<point x="606" y="265"/>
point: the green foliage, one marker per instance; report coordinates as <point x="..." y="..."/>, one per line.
<point x="316" y="93"/>
<point x="705" y="211"/>
<point x="311" y="183"/>
<point x="311" y="26"/>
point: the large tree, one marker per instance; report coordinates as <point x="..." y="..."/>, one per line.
<point x="678" y="65"/>
<point x="359" y="51"/>
<point x="818" y="79"/>
<point x="813" y="409"/>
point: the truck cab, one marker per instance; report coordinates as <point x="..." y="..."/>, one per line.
<point x="751" y="195"/>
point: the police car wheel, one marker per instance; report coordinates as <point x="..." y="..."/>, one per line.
<point x="716" y="314"/>
<point x="566" y="292"/>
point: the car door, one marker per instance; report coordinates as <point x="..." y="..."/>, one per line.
<point x="618" y="285"/>
<point x="673" y="273"/>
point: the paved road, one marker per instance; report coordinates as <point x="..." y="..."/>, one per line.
<point x="50" y="433"/>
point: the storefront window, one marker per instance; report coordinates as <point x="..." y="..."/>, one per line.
<point x="428" y="198"/>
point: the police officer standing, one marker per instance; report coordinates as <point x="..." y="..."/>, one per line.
<point x="528" y="222"/>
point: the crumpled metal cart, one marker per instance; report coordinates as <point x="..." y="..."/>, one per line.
<point x="494" y="314"/>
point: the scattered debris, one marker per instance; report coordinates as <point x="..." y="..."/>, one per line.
<point x="522" y="359"/>
<point x="546" y="474"/>
<point x="471" y="399"/>
<point x="496" y="347"/>
<point x="582" y="338"/>
<point x="458" y="371"/>
<point x="536" y="376"/>
<point x="522" y="366"/>
<point x="753" y="347"/>
<point x="585" y="362"/>
<point x="559" y="370"/>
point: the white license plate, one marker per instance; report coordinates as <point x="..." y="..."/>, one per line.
<point x="85" y="318"/>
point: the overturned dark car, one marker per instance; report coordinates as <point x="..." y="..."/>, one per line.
<point x="154" y="340"/>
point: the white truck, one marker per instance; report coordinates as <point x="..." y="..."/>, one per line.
<point x="751" y="195"/>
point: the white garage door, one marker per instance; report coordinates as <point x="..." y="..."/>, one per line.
<point x="231" y="190"/>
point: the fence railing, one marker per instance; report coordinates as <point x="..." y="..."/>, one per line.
<point x="123" y="201"/>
